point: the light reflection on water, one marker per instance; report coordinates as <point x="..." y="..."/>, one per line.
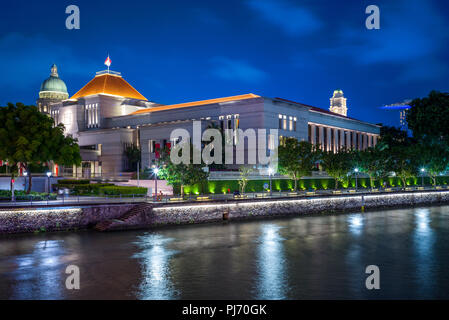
<point x="271" y="282"/>
<point x="154" y="259"/>
<point x="40" y="264"/>
<point x="307" y="257"/>
<point x="424" y="238"/>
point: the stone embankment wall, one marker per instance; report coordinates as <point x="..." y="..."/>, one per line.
<point x="57" y="219"/>
<point x="32" y="220"/>
<point x="211" y="212"/>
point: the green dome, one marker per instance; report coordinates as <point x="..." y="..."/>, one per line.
<point x="53" y="83"/>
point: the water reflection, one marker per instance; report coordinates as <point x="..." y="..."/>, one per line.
<point x="271" y="279"/>
<point x="355" y="224"/>
<point x="154" y="258"/>
<point x="424" y="239"/>
<point x="39" y="273"/>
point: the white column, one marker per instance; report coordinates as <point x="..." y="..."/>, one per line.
<point x="342" y="138"/>
<point x="353" y="140"/>
<point x="335" y="140"/>
<point x="312" y="134"/>
<point x="321" y="137"/>
<point x="329" y="139"/>
<point x="359" y="136"/>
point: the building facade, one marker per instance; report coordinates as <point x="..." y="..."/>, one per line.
<point x="108" y="114"/>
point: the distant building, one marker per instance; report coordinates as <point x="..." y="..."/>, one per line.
<point x="108" y="114"/>
<point x="338" y="103"/>
<point x="400" y="107"/>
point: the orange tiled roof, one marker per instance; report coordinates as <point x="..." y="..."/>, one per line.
<point x="197" y="103"/>
<point x="109" y="84"/>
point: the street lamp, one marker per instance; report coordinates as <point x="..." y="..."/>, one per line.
<point x="48" y="175"/>
<point x="155" y="171"/>
<point x="356" y="170"/>
<point x="270" y="173"/>
<point x="25" y="174"/>
<point x="422" y="176"/>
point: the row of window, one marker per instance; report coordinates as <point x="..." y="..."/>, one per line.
<point x="91" y="115"/>
<point x="231" y="121"/>
<point x="284" y="125"/>
<point x="54" y="113"/>
<point x="351" y="139"/>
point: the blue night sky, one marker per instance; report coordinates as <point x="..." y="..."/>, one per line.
<point x="180" y="51"/>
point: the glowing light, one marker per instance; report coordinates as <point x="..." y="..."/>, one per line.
<point x="48" y="174"/>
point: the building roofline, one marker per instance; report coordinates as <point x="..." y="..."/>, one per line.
<point x="196" y="103"/>
<point x="324" y="111"/>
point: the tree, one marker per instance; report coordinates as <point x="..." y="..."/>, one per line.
<point x="182" y="174"/>
<point x="433" y="157"/>
<point x="244" y="174"/>
<point x="338" y="165"/>
<point x="133" y="155"/>
<point x="429" y="116"/>
<point x="402" y="160"/>
<point x="296" y="159"/>
<point x="30" y="138"/>
<point x="371" y="161"/>
<point x="399" y="153"/>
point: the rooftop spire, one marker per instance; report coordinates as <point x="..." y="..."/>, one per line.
<point x="54" y="71"/>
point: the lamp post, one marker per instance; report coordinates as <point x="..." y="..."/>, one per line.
<point x="422" y="176"/>
<point x="49" y="175"/>
<point x="138" y="169"/>
<point x="356" y="170"/>
<point x="155" y="171"/>
<point x="25" y="174"/>
<point x="270" y="173"/>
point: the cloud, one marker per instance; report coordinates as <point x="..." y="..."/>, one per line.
<point x="229" y="69"/>
<point x="293" y="20"/>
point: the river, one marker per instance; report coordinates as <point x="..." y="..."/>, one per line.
<point x="309" y="257"/>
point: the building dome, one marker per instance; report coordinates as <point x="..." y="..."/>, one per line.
<point x="53" y="86"/>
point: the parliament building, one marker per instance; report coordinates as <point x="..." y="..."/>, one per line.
<point x="108" y="115"/>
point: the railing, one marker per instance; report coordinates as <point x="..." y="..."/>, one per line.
<point x="111" y="199"/>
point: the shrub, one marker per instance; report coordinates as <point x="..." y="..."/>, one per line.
<point x="83" y="189"/>
<point x="5" y="195"/>
<point x="123" y="190"/>
<point x="89" y="189"/>
<point x="73" y="181"/>
<point x="222" y="186"/>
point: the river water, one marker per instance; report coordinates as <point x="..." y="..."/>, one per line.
<point x="309" y="257"/>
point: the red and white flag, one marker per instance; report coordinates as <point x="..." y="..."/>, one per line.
<point x="108" y="61"/>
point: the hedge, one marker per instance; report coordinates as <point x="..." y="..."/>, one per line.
<point x="123" y="190"/>
<point x="222" y="186"/>
<point x="20" y="195"/>
<point x="83" y="189"/>
<point x="73" y="181"/>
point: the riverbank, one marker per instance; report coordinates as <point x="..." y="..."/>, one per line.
<point x="145" y="215"/>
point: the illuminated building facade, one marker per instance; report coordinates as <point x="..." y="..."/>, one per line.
<point x="108" y="114"/>
<point x="400" y="107"/>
